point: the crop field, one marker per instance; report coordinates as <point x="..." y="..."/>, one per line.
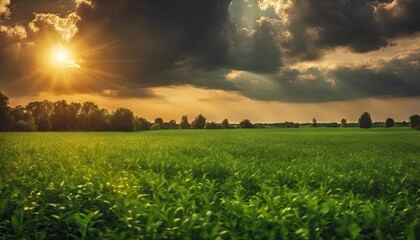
<point x="211" y="184"/>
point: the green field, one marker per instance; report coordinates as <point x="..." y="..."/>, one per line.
<point x="209" y="184"/>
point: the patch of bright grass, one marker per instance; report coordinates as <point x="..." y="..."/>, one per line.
<point x="204" y="184"/>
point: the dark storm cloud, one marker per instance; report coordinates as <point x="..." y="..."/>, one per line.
<point x="158" y="35"/>
<point x="377" y="78"/>
<point x="362" y="26"/>
<point x="256" y="50"/>
<point x="23" y="11"/>
<point x="128" y="47"/>
<point x="319" y="25"/>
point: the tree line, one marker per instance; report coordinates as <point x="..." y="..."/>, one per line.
<point x="62" y="116"/>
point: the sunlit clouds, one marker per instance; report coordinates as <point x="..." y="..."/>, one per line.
<point x="270" y="53"/>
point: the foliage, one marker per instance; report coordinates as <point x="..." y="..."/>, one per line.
<point x="172" y="124"/>
<point x="246" y="124"/>
<point x="365" y="120"/>
<point x="199" y="122"/>
<point x="389" y="122"/>
<point x="142" y="124"/>
<point x="4" y="100"/>
<point x="159" y="121"/>
<point x="265" y="184"/>
<point x="123" y="120"/>
<point x="343" y="122"/>
<point x="415" y="122"/>
<point x="22" y="126"/>
<point x="184" y="124"/>
<point x="7" y="120"/>
<point x="225" y="124"/>
<point x="156" y="126"/>
<point x="64" y="116"/>
<point x="213" y="125"/>
<point x="314" y="123"/>
<point x="44" y="123"/>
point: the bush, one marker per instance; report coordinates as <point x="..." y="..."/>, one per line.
<point x="156" y="126"/>
<point x="22" y="126"/>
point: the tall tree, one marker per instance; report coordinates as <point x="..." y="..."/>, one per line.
<point x="98" y="120"/>
<point x="4" y="100"/>
<point x="59" y="121"/>
<point x="415" y="122"/>
<point x="72" y="115"/>
<point x="89" y="107"/>
<point x="123" y="120"/>
<point x="199" y="122"/>
<point x="365" y="121"/>
<point x="343" y="122"/>
<point x="6" y="119"/>
<point x="39" y="109"/>
<point x="225" y="124"/>
<point x="184" y="124"/>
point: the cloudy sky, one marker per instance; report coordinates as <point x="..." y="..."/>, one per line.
<point x="266" y="60"/>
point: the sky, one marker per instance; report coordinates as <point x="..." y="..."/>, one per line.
<point x="265" y="60"/>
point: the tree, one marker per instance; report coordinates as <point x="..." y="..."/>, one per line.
<point x="343" y="122"/>
<point x="26" y="124"/>
<point x="17" y="113"/>
<point x="365" y="121"/>
<point x="29" y="121"/>
<point x="213" y="125"/>
<point x="59" y="121"/>
<point x="143" y="124"/>
<point x="98" y="120"/>
<point x="389" y="122"/>
<point x="199" y="122"/>
<point x="184" y="124"/>
<point x="123" y="120"/>
<point x="44" y="123"/>
<point x="88" y="107"/>
<point x="172" y="124"/>
<point x="6" y="119"/>
<point x="225" y="124"/>
<point x="314" y="123"/>
<point x="246" y="124"/>
<point x="415" y="122"/>
<point x="72" y="114"/>
<point x="4" y="100"/>
<point x="160" y="122"/>
<point x="39" y="109"/>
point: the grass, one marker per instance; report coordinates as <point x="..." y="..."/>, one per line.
<point x="209" y="184"/>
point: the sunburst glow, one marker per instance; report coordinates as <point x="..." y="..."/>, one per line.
<point x="62" y="58"/>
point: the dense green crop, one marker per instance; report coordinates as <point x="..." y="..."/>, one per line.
<point x="203" y="184"/>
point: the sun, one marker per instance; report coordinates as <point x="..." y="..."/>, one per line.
<point x="61" y="57"/>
